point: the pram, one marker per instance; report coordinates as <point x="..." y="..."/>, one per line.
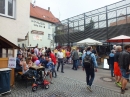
<point x="42" y="82"/>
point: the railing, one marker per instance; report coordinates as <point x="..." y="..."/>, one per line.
<point x="100" y="24"/>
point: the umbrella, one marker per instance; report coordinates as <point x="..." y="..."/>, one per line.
<point x="89" y="41"/>
<point x="121" y="38"/>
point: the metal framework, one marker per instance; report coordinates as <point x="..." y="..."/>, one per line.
<point x="99" y="24"/>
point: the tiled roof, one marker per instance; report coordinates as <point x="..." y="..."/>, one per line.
<point x="42" y="14"/>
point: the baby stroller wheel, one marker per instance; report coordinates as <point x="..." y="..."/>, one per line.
<point x="34" y="88"/>
<point x="46" y="86"/>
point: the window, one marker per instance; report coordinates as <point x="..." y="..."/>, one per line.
<point x="22" y="45"/>
<point x="18" y="45"/>
<point x="7" y="8"/>
<point x="49" y="26"/>
<point x="49" y="36"/>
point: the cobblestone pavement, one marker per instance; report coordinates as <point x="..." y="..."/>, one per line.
<point x="63" y="87"/>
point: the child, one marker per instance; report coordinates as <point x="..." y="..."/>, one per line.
<point x="50" y="68"/>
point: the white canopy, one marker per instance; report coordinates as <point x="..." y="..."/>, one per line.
<point x="89" y="41"/>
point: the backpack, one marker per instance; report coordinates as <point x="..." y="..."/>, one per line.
<point x="87" y="61"/>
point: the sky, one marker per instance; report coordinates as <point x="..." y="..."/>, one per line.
<point x="64" y="9"/>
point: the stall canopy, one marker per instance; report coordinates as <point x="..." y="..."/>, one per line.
<point x="4" y="43"/>
<point x="121" y="38"/>
<point x="89" y="41"/>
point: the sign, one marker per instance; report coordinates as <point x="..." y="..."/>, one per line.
<point x="37" y="32"/>
<point x="37" y="37"/>
<point x="38" y="23"/>
<point x="106" y="66"/>
<point x="12" y="62"/>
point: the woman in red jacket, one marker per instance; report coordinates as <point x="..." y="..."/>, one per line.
<point x="53" y="58"/>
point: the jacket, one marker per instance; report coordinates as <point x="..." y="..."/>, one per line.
<point x="93" y="58"/>
<point x="124" y="60"/>
<point x="75" y="55"/>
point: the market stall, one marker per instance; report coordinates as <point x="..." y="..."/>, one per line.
<point x="7" y="49"/>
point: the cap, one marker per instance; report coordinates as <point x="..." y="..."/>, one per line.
<point x="19" y="54"/>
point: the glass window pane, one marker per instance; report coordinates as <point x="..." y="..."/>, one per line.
<point x="10" y="7"/>
<point x="2" y="6"/>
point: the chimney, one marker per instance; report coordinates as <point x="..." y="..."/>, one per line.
<point x="49" y="9"/>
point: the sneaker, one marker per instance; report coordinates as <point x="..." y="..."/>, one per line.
<point x="118" y="84"/>
<point x="89" y="88"/>
<point x="122" y="91"/>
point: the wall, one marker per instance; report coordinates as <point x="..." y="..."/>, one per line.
<point x="12" y="29"/>
<point x="42" y="26"/>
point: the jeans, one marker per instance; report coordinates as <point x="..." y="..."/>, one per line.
<point x="124" y="75"/>
<point x="75" y="64"/>
<point x="112" y="68"/>
<point x="90" y="75"/>
<point x="54" y="71"/>
<point x="60" y="61"/>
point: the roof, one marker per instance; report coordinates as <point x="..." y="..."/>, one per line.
<point x="42" y="14"/>
<point x="19" y="39"/>
<point x="4" y="43"/>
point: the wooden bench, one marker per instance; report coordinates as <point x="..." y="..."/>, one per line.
<point x="25" y="77"/>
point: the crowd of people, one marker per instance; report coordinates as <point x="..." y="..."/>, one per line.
<point x="35" y="57"/>
<point x="119" y="62"/>
<point x="120" y="66"/>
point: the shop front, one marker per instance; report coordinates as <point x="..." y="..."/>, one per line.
<point x="7" y="50"/>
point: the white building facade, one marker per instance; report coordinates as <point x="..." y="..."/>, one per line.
<point x="14" y="19"/>
<point x="40" y="33"/>
<point x="41" y="30"/>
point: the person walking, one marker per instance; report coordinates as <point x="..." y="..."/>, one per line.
<point x="89" y="63"/>
<point x="124" y="63"/>
<point x="67" y="56"/>
<point x="117" y="71"/>
<point x="60" y="57"/>
<point x="75" y="58"/>
<point x="111" y="58"/>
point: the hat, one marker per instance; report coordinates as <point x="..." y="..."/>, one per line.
<point x="19" y="54"/>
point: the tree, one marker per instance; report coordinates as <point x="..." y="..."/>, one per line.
<point x="89" y="26"/>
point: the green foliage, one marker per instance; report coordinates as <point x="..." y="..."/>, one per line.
<point x="89" y="26"/>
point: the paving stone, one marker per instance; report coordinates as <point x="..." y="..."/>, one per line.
<point x="63" y="87"/>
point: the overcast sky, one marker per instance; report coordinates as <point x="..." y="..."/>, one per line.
<point x="64" y="9"/>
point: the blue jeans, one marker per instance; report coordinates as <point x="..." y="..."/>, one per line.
<point x="124" y="75"/>
<point x="54" y="71"/>
<point x="112" y="68"/>
<point x="60" y="62"/>
<point x="75" y="64"/>
<point x="90" y="75"/>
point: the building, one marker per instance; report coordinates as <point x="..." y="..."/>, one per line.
<point x="14" y="24"/>
<point x="14" y="19"/>
<point x="41" y="28"/>
<point x="121" y="20"/>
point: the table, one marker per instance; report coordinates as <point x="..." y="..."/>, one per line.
<point x="37" y="67"/>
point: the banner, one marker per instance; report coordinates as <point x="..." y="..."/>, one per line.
<point x="12" y="62"/>
<point x="37" y="37"/>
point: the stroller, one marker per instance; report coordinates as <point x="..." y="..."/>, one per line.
<point x="43" y="83"/>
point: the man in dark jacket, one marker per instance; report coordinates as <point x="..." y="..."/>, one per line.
<point x="124" y="63"/>
<point x="75" y="58"/>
